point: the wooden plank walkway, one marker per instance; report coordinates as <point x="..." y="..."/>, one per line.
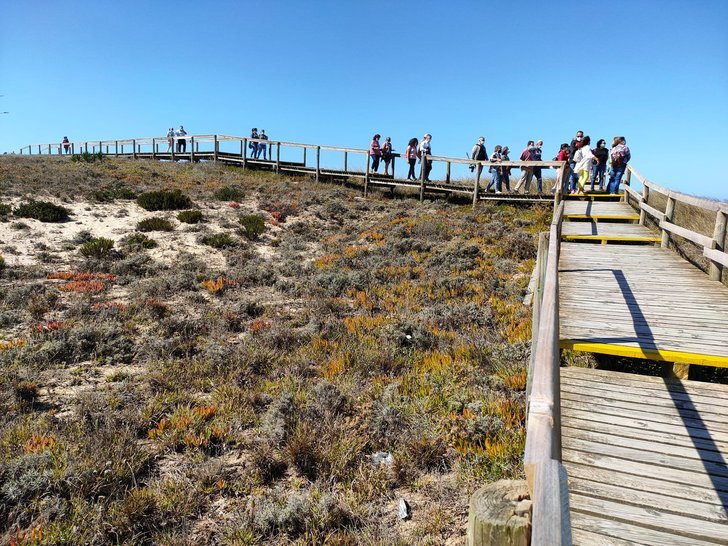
<point x="600" y="231"/>
<point x="646" y="458"/>
<point x="599" y="210"/>
<point x="641" y="302"/>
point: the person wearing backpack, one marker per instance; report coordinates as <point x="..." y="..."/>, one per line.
<point x="601" y="156"/>
<point x="620" y="156"/>
<point x="387" y="154"/>
<point x="478" y="153"/>
<point x="504" y="173"/>
<point x="411" y="155"/>
<point x="375" y="152"/>
<point x="537" y="170"/>
<point x="495" y="170"/>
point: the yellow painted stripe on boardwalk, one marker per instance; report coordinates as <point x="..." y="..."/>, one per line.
<point x="651" y="354"/>
<point x="611" y="238"/>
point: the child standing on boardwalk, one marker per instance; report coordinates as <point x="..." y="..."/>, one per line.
<point x="411" y="155"/>
<point x="375" y="152"/>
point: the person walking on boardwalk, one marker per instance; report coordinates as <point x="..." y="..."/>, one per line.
<point x="411" y="155"/>
<point x="478" y="153"/>
<point x="262" y="146"/>
<point x="495" y="170"/>
<point x="575" y="143"/>
<point x="253" y="145"/>
<point x="425" y="150"/>
<point x="619" y="156"/>
<point x="66" y="145"/>
<point x="526" y="172"/>
<point x="563" y="155"/>
<point x="583" y="163"/>
<point x="537" y="151"/>
<point x="601" y="156"/>
<point x="181" y="142"/>
<point x="504" y="173"/>
<point x="387" y="154"/>
<point x="375" y="152"/>
<point x="170" y="139"/>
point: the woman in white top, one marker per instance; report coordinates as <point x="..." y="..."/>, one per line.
<point x="425" y="150"/>
<point x="583" y="159"/>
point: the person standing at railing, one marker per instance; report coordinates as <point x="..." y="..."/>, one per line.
<point x="601" y="156"/>
<point x="537" y="170"/>
<point x="253" y="145"/>
<point x="620" y="156"/>
<point x="66" y="145"/>
<point x="262" y="147"/>
<point x="494" y="170"/>
<point x="583" y="161"/>
<point x="181" y="142"/>
<point x="526" y="172"/>
<point x="563" y="155"/>
<point x="504" y="173"/>
<point x="411" y="155"/>
<point x="479" y="153"/>
<point x="425" y="149"/>
<point x="387" y="154"/>
<point x="375" y="152"/>
<point x="170" y="139"/>
<point x="573" y="147"/>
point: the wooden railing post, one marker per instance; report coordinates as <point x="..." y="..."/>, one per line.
<point x="278" y="158"/>
<point x="304" y="156"/>
<point x="628" y="178"/>
<point x="192" y="149"/>
<point x="669" y="211"/>
<point x="85" y="147"/>
<point x="39" y="152"/>
<point x="101" y="150"/>
<point x="73" y="148"/>
<point x="174" y="145"/>
<point x="716" y="270"/>
<point x="476" y="188"/>
<point x="116" y="148"/>
<point x="245" y="153"/>
<point x="645" y="197"/>
<point x="366" y="176"/>
<point x="215" y="148"/>
<point x="318" y="162"/>
<point x="393" y="159"/>
<point x="346" y="162"/>
<point x="133" y="149"/>
<point x="423" y="168"/>
<point x="154" y="149"/>
<point x="447" y="172"/>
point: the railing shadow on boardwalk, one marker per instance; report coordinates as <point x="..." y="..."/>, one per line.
<point x="694" y="425"/>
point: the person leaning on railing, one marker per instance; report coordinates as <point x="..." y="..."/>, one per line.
<point x="181" y="142"/>
<point x="375" y="152"/>
<point x="425" y="149"/>
<point x="620" y="156"/>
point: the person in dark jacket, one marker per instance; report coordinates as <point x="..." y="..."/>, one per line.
<point x="575" y="145"/>
<point x="479" y="153"/>
<point x="504" y="173"/>
<point x="601" y="156"/>
<point x="536" y="156"/>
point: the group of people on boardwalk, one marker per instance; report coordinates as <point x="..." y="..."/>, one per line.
<point x="258" y="148"/>
<point x="178" y="135"/>
<point x="585" y="164"/>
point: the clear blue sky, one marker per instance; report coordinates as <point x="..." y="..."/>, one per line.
<point x="335" y="72"/>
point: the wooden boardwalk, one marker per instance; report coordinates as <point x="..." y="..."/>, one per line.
<point x="598" y="210"/>
<point x="604" y="232"/>
<point x="646" y="458"/>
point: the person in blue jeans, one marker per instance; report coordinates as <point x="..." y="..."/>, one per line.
<point x="620" y="156"/>
<point x="575" y="145"/>
<point x="253" y="145"/>
<point x="262" y="146"/>
<point x="601" y="156"/>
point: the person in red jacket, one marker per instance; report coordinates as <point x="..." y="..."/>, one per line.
<point x="375" y="152"/>
<point x="526" y="172"/>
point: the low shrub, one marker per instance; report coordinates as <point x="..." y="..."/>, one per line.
<point x="137" y="241"/>
<point x="2" y="263"/>
<point x="253" y="226"/>
<point x="164" y="200"/>
<point x="5" y="209"/>
<point x="154" y="224"/>
<point x="229" y="193"/>
<point x="43" y="211"/>
<point x="97" y="248"/>
<point x="190" y="216"/>
<point x="87" y="157"/>
<point x="109" y="194"/>
<point x="219" y="240"/>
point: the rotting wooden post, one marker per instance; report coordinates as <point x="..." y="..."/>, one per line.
<point x="645" y="197"/>
<point x="476" y="188"/>
<point x="318" y="162"/>
<point x="423" y="168"/>
<point x="216" y="148"/>
<point x="669" y="211"/>
<point x="278" y="158"/>
<point x="447" y="172"/>
<point x="716" y="270"/>
<point x="244" y="153"/>
<point x="346" y="162"/>
<point x="366" y="176"/>
<point x="500" y="514"/>
<point x="192" y="149"/>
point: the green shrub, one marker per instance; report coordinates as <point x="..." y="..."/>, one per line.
<point x="2" y="263"/>
<point x="229" y="193"/>
<point x="190" y="216"/>
<point x="154" y="224"/>
<point x="107" y="195"/>
<point x="137" y="241"/>
<point x="219" y="240"/>
<point x="253" y="226"/>
<point x="87" y="157"/>
<point x="43" y="211"/>
<point x="97" y="248"/>
<point x="164" y="200"/>
<point x="5" y="209"/>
